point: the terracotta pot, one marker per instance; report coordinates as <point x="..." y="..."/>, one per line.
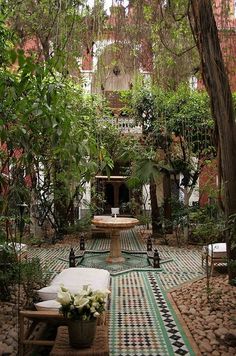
<point x="81" y="332"/>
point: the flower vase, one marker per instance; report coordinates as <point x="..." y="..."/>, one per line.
<point x="81" y="332"/>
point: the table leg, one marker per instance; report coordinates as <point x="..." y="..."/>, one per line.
<point x="115" y="249"/>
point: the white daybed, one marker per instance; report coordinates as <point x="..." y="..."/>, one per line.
<point x="73" y="279"/>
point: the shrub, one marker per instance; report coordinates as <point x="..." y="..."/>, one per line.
<point x="33" y="276"/>
<point x="8" y="272"/>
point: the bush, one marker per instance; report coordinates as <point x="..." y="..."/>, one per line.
<point x="206" y="225"/>
<point x="33" y="276"/>
<point x="28" y="273"/>
<point x="83" y="224"/>
<point x="8" y="272"/>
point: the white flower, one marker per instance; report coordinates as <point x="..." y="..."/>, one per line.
<point x="80" y="301"/>
<point x="95" y="304"/>
<point x="63" y="288"/>
<point x="64" y="297"/>
<point x="86" y="290"/>
<point x="102" y="294"/>
<point x="84" y="305"/>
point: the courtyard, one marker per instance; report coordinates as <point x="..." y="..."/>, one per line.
<point x="161" y="311"/>
<point x="118" y="115"/>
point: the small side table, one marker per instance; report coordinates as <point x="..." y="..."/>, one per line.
<point x="100" y="345"/>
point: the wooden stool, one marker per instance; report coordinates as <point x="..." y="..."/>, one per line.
<point x="100" y="345"/>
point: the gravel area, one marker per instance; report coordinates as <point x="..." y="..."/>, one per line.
<point x="211" y="321"/>
<point x="8" y="329"/>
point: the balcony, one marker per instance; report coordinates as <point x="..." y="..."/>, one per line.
<point x="125" y="124"/>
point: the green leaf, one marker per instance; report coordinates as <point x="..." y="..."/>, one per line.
<point x="13" y="56"/>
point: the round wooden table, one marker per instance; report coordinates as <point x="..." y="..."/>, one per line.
<point x="114" y="225"/>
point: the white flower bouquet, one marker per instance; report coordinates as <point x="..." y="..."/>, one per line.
<point x="85" y="305"/>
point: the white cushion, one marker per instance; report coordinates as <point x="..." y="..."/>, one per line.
<point x="94" y="277"/>
<point x="74" y="279"/>
<point x="48" y="293"/>
<point x="18" y="247"/>
<point x="218" y="247"/>
<point x="47" y="304"/>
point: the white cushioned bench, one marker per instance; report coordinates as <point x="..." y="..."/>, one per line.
<point x="216" y="254"/>
<point x="73" y="279"/>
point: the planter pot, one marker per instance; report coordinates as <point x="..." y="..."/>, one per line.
<point x="81" y="332"/>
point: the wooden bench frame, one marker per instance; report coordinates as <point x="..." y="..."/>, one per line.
<point x="47" y="316"/>
<point x="213" y="258"/>
<point x="36" y="317"/>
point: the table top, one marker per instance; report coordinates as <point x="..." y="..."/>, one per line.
<point x="114" y="222"/>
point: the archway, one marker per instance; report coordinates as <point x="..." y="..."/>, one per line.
<point x="123" y="194"/>
<point x="109" y="197"/>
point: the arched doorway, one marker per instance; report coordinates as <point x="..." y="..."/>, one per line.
<point x="109" y="197"/>
<point x="115" y="194"/>
<point x="123" y="194"/>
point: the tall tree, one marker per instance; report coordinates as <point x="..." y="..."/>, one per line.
<point x="217" y="84"/>
<point x="48" y="129"/>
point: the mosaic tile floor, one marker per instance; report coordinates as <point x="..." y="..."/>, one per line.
<point x="142" y="322"/>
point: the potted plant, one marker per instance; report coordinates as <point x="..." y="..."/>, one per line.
<point x="82" y="310"/>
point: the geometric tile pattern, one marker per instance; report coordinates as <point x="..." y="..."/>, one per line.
<point x="54" y="259"/>
<point x="129" y="242"/>
<point x="100" y="244"/>
<point x="131" y="324"/>
<point x="183" y="265"/>
<point x="173" y="333"/>
<point x="170" y="280"/>
<point x="142" y="323"/>
<point x="185" y="260"/>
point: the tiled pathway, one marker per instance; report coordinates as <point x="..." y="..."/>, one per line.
<point x="142" y="321"/>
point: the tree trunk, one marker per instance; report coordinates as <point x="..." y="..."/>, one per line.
<point x="186" y="221"/>
<point x="46" y="48"/>
<point x="60" y="201"/>
<point x="155" y="213"/>
<point x="217" y="84"/>
<point x="167" y="201"/>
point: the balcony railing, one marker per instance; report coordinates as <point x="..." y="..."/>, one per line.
<point x="125" y="124"/>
